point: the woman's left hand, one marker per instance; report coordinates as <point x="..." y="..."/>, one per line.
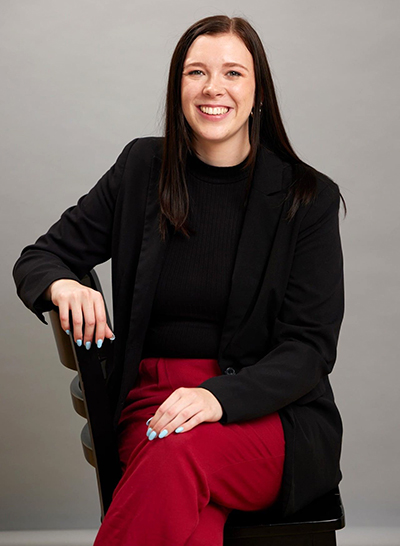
<point x="183" y="410"/>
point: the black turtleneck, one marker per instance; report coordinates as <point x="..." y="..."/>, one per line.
<point x="192" y="292"/>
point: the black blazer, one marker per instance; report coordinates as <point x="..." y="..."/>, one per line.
<point x="284" y="313"/>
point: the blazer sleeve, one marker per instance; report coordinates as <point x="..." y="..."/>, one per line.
<point x="78" y="241"/>
<point x="307" y="326"/>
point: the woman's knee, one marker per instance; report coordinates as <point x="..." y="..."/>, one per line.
<point x="175" y="449"/>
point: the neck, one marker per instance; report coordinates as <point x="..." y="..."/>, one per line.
<point x="223" y="154"/>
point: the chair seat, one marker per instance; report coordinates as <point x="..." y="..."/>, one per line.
<point x="323" y="515"/>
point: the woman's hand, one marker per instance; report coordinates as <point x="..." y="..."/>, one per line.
<point x="84" y="303"/>
<point x="184" y="409"/>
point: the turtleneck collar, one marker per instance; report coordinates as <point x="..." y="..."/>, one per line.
<point x="214" y="174"/>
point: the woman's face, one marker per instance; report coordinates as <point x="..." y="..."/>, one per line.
<point x="218" y="72"/>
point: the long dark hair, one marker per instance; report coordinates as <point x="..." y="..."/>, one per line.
<point x="265" y="127"/>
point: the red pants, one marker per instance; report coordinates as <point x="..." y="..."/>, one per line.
<point x="179" y="490"/>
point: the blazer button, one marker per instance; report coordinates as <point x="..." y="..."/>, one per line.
<point x="230" y="371"/>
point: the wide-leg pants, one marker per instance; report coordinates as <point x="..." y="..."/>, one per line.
<point x="179" y="490"/>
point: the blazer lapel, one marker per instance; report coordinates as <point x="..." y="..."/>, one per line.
<point x="262" y="215"/>
<point x="152" y="253"/>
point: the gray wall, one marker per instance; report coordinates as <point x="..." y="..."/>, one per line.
<point x="82" y="78"/>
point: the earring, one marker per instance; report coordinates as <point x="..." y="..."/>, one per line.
<point x="252" y="110"/>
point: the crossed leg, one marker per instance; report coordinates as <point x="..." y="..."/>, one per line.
<point x="180" y="489"/>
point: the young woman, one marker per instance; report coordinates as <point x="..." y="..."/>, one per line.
<point x="228" y="296"/>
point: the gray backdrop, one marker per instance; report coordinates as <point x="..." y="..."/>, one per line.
<point x="82" y="78"/>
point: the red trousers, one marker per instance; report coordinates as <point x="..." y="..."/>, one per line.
<point x="179" y="490"/>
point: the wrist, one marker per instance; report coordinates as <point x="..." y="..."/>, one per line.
<point x="47" y="294"/>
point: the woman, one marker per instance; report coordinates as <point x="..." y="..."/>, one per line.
<point x="227" y="312"/>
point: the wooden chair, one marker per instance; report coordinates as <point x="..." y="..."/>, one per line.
<point x="315" y="525"/>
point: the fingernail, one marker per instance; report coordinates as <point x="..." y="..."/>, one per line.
<point x="148" y="421"/>
<point x="88" y="345"/>
<point x="67" y="332"/>
<point x="153" y="435"/>
<point x="99" y="343"/>
<point x="163" y="433"/>
<point x="112" y="338"/>
<point x="148" y="431"/>
<point x="79" y="342"/>
<point x="179" y="429"/>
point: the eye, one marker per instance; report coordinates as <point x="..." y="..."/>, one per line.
<point x="234" y="72"/>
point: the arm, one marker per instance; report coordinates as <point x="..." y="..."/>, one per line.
<point x="307" y="326"/>
<point x="72" y="246"/>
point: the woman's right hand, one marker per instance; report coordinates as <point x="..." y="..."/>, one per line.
<point x="85" y="304"/>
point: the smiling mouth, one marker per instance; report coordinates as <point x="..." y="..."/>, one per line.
<point x="214" y="111"/>
<point x="216" y="114"/>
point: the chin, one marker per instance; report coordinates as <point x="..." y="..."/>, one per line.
<point x="216" y="137"/>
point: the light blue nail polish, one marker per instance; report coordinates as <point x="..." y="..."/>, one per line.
<point x="179" y="429"/>
<point x="153" y="435"/>
<point x="163" y="433"/>
<point x="79" y="342"/>
<point x="112" y="338"/>
<point x="67" y="332"/>
<point x="148" y="432"/>
<point x="99" y="343"/>
<point x="88" y="345"/>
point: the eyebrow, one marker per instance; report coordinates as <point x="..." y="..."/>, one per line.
<point x="195" y="63"/>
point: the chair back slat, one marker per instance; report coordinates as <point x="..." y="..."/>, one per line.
<point x="77" y="397"/>
<point x="63" y="342"/>
<point x="86" y="441"/>
<point x="90" y="400"/>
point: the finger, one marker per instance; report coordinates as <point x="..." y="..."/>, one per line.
<point x="100" y="314"/>
<point x="195" y="420"/>
<point x="77" y="320"/>
<point x="109" y="333"/>
<point x="168" y="404"/>
<point x="177" y="408"/>
<point x="89" y="318"/>
<point x="187" y="419"/>
<point x="63" y="310"/>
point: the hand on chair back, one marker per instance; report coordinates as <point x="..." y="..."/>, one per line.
<point x="86" y="305"/>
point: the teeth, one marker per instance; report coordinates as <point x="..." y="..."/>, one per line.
<point x="213" y="111"/>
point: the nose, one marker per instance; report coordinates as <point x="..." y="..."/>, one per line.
<point x="213" y="87"/>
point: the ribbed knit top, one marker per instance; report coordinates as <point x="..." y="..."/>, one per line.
<point x="192" y="292"/>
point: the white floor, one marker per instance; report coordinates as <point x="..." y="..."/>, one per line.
<point x="47" y="538"/>
<point x="368" y="536"/>
<point x="349" y="536"/>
